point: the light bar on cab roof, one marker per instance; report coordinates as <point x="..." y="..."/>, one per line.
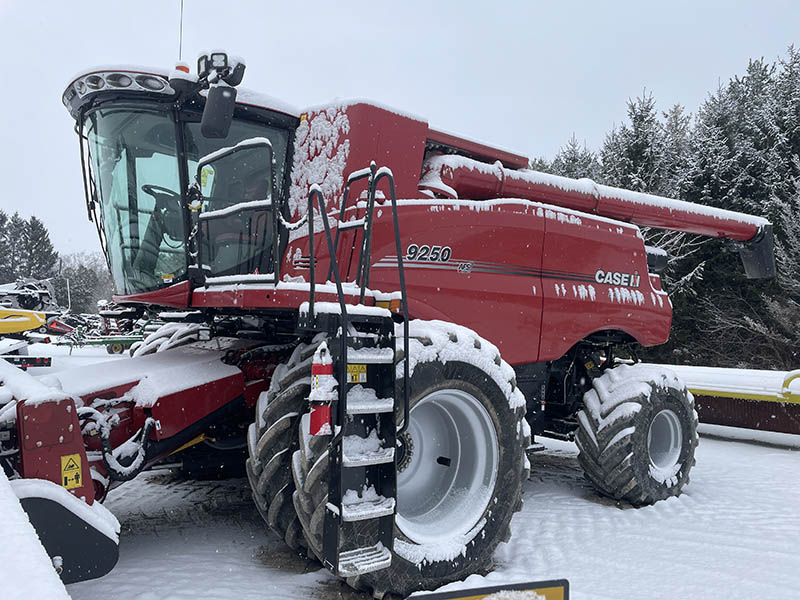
<point x="114" y="80"/>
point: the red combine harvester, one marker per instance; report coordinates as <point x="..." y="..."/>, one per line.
<point x="391" y="449"/>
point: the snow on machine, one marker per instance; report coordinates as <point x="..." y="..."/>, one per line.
<point x="382" y="313"/>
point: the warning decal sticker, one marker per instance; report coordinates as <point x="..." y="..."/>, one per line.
<point x="71" y="475"/>
<point x="356" y="373"/>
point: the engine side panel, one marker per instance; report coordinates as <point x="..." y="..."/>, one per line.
<point x="595" y="278"/>
<point x="531" y="278"/>
<point x="475" y="264"/>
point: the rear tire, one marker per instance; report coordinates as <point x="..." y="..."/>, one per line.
<point x="272" y="441"/>
<point x="637" y="434"/>
<point x="458" y="381"/>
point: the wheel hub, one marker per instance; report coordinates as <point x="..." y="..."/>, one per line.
<point x="405" y="450"/>
<point x="447" y="467"/>
<point x="664" y="440"/>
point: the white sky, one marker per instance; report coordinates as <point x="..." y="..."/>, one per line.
<point x="521" y="75"/>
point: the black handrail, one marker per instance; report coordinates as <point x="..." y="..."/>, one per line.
<point x="316" y="191"/>
<point x="381" y="173"/>
<point x="354" y="176"/>
<point x="363" y="270"/>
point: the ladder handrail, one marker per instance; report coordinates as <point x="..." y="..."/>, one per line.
<point x="354" y="176"/>
<point x="316" y="191"/>
<point x="381" y="173"/>
<point x="363" y="270"/>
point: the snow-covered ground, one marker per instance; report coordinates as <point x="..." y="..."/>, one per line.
<point x="65" y="358"/>
<point x="25" y="569"/>
<point x="734" y="533"/>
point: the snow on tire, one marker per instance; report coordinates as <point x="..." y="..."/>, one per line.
<point x="169" y="335"/>
<point x="271" y="442"/>
<point x="637" y="434"/>
<point x="460" y="389"/>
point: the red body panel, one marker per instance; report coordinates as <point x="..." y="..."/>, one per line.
<point x="177" y="411"/>
<point x="265" y="296"/>
<point x="174" y="296"/>
<point x="520" y="275"/>
<point x="334" y="141"/>
<point x="49" y="434"/>
<point x="478" y="150"/>
<point x="576" y="304"/>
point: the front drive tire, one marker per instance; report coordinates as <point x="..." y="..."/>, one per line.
<point x="271" y="443"/>
<point x="465" y="408"/>
<point x="637" y="434"/>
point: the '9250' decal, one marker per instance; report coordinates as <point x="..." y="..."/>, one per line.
<point x="431" y="253"/>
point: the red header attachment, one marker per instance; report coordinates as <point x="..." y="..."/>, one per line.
<point x="51" y="445"/>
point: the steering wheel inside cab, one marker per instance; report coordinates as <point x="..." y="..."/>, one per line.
<point x="168" y="213"/>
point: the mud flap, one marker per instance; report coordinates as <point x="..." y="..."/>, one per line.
<point x="84" y="537"/>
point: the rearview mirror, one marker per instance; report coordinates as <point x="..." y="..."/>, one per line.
<point x="218" y="112"/>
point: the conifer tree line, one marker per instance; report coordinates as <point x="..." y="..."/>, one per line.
<point x="25" y="249"/>
<point x="26" y="252"/>
<point x="739" y="151"/>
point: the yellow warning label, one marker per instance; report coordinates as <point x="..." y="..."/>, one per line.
<point x="71" y="471"/>
<point x="356" y="373"/>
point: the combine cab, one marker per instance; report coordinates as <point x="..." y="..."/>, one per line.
<point x="345" y="323"/>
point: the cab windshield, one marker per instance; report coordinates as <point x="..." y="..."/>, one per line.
<point x="136" y="171"/>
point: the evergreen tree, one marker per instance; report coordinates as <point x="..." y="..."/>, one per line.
<point x="39" y="258"/>
<point x="630" y="154"/>
<point x="540" y="164"/>
<point x="16" y="236"/>
<point x="89" y="281"/>
<point x="576" y="161"/>
<point x="674" y="157"/>
<point x="82" y="285"/>
<point x="6" y="269"/>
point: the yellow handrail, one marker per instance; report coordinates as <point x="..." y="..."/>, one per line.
<point x="786" y="392"/>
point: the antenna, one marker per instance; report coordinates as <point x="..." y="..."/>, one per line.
<point x="180" y="36"/>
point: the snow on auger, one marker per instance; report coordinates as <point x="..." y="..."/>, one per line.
<point x="393" y="450"/>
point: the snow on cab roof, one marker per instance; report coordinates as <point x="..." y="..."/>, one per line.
<point x="244" y="95"/>
<point x="344" y="103"/>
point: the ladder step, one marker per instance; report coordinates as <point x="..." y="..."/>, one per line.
<point x="363" y="452"/>
<point x="368" y="505"/>
<point x="364" y="560"/>
<point x="370" y="356"/>
<point x="361" y="400"/>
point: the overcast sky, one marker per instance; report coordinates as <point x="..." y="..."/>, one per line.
<point x="522" y="75"/>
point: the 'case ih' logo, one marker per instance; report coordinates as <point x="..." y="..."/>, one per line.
<point x="617" y="278"/>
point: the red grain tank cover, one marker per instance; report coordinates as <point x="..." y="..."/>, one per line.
<point x="333" y="141"/>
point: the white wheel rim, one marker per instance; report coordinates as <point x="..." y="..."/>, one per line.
<point x="664" y="440"/>
<point x="436" y="501"/>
